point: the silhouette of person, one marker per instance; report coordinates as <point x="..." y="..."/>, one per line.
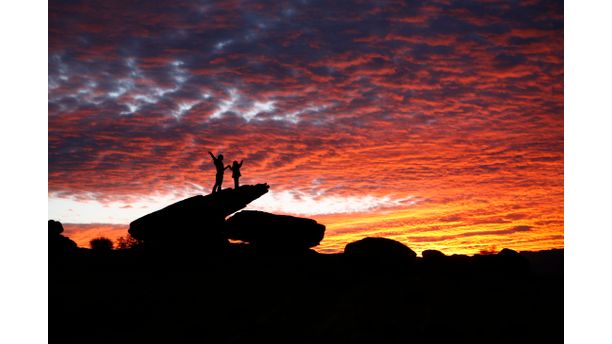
<point x="236" y="172"/>
<point x="218" y="161"/>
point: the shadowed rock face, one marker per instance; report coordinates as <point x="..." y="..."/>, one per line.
<point x="380" y="249"/>
<point x="512" y="261"/>
<point x="433" y="255"/>
<point x="278" y="232"/>
<point x="55" y="228"/>
<point x="199" y="218"/>
<point x="59" y="244"/>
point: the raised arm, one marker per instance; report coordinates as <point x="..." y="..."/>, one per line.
<point x="212" y="156"/>
<point x="240" y="164"/>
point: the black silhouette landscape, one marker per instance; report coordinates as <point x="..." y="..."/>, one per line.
<point x="204" y="270"/>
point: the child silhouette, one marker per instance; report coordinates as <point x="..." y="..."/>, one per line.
<point x="236" y="172"/>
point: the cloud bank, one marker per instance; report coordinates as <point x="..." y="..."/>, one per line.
<point x="456" y="104"/>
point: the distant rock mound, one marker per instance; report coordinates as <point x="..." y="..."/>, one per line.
<point x="433" y="255"/>
<point x="380" y="249"/>
<point x="55" y="228"/>
<point x="511" y="261"/>
<point x="195" y="221"/>
<point x="59" y="244"/>
<point x="274" y="232"/>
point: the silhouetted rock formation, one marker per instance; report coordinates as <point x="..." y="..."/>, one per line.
<point x="55" y="228"/>
<point x="511" y="261"/>
<point x="59" y="244"/>
<point x="435" y="261"/>
<point x="433" y="255"/>
<point x="275" y="232"/>
<point x="380" y="249"/>
<point x="196" y="222"/>
<point x="376" y="292"/>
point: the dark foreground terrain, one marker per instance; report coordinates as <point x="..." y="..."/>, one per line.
<point x="180" y="280"/>
<point x="125" y="296"/>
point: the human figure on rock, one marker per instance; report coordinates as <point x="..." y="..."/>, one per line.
<point x="218" y="161"/>
<point x="236" y="172"/>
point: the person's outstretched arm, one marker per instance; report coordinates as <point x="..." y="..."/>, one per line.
<point x="212" y="156"/>
<point x="228" y="166"/>
<point x="240" y="164"/>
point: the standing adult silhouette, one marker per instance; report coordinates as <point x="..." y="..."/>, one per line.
<point x="218" y="161"/>
<point x="235" y="168"/>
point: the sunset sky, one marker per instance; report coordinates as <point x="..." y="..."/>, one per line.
<point x="438" y="124"/>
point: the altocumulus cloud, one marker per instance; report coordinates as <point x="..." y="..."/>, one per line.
<point x="349" y="104"/>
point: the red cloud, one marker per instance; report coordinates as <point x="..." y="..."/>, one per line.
<point x="459" y="107"/>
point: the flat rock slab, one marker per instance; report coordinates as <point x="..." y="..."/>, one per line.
<point x="274" y="231"/>
<point x="196" y="214"/>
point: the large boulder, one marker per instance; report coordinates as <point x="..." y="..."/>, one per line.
<point x="55" y="228"/>
<point x="433" y="255"/>
<point x="274" y="232"/>
<point x="380" y="250"/>
<point x="434" y="261"/>
<point x="513" y="262"/>
<point x="196" y="221"/>
<point x="58" y="244"/>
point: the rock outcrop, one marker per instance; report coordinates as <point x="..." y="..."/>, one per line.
<point x="511" y="261"/>
<point x="59" y="245"/>
<point x="433" y="255"/>
<point x="380" y="250"/>
<point x="272" y="232"/>
<point x="196" y="221"/>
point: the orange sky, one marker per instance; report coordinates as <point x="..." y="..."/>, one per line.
<point x="439" y="125"/>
